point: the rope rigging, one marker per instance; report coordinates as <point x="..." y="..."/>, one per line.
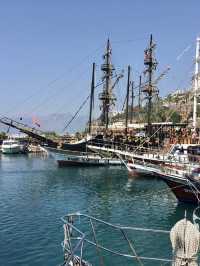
<point x="77" y="112"/>
<point x="118" y="77"/>
<point x="53" y="81"/>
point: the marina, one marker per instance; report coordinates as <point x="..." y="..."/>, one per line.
<point x="100" y="166"/>
<point x="105" y="193"/>
<point x="146" y="166"/>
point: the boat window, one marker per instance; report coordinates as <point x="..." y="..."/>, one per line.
<point x="196" y="176"/>
<point x="195" y="150"/>
<point x="10" y="142"/>
<point x="177" y="150"/>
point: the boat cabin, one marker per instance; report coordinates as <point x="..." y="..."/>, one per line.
<point x="186" y="152"/>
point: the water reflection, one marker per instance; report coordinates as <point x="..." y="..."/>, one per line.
<point x="35" y="193"/>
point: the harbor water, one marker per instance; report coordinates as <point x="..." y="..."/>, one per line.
<point x="35" y="194"/>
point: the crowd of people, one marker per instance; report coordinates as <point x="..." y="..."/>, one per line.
<point x="157" y="139"/>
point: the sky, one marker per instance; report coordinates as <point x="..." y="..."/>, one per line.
<point x="47" y="48"/>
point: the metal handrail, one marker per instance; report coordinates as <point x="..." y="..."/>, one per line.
<point x="70" y="219"/>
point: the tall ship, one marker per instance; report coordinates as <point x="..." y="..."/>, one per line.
<point x="131" y="135"/>
<point x="107" y="98"/>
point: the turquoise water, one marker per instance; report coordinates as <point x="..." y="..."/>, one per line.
<point x="34" y="194"/>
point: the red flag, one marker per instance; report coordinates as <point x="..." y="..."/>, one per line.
<point x="35" y="121"/>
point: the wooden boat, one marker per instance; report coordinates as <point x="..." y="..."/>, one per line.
<point x="183" y="181"/>
<point x="179" y="153"/>
<point x="141" y="168"/>
<point x="186" y="187"/>
<point x="81" y="145"/>
<point x="145" y="167"/>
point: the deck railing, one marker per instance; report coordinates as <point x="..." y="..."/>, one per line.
<point x="75" y="240"/>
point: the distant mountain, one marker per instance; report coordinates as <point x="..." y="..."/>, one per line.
<point x="52" y="122"/>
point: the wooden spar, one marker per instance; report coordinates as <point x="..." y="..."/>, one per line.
<point x="91" y="97"/>
<point x="127" y="100"/>
<point x="108" y="81"/>
<point x="106" y="97"/>
<point x="150" y="63"/>
<point x="139" y="94"/>
<point x="132" y="101"/>
<point x="150" y="86"/>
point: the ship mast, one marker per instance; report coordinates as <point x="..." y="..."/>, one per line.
<point x="132" y="101"/>
<point x="127" y="100"/>
<point x="150" y="90"/>
<point x="91" y="98"/>
<point x="139" y="94"/>
<point x="106" y="97"/>
<point x="196" y="83"/>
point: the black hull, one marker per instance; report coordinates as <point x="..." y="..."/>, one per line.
<point x="65" y="163"/>
<point x="88" y="163"/>
<point x="81" y="147"/>
<point x="184" y="190"/>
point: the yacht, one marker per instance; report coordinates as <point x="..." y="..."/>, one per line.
<point x="10" y="146"/>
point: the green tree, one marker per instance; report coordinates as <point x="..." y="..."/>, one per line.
<point x="3" y="135"/>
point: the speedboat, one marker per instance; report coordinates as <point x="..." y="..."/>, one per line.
<point x="11" y="146"/>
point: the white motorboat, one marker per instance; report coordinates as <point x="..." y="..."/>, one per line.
<point x="11" y="146"/>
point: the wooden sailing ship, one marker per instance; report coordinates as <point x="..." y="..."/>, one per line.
<point x="185" y="186"/>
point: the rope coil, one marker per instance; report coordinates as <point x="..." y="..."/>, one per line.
<point x="185" y="243"/>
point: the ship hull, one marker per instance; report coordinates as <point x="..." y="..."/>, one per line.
<point x="183" y="189"/>
<point x="81" y="147"/>
<point x="11" y="150"/>
<point x="88" y="163"/>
